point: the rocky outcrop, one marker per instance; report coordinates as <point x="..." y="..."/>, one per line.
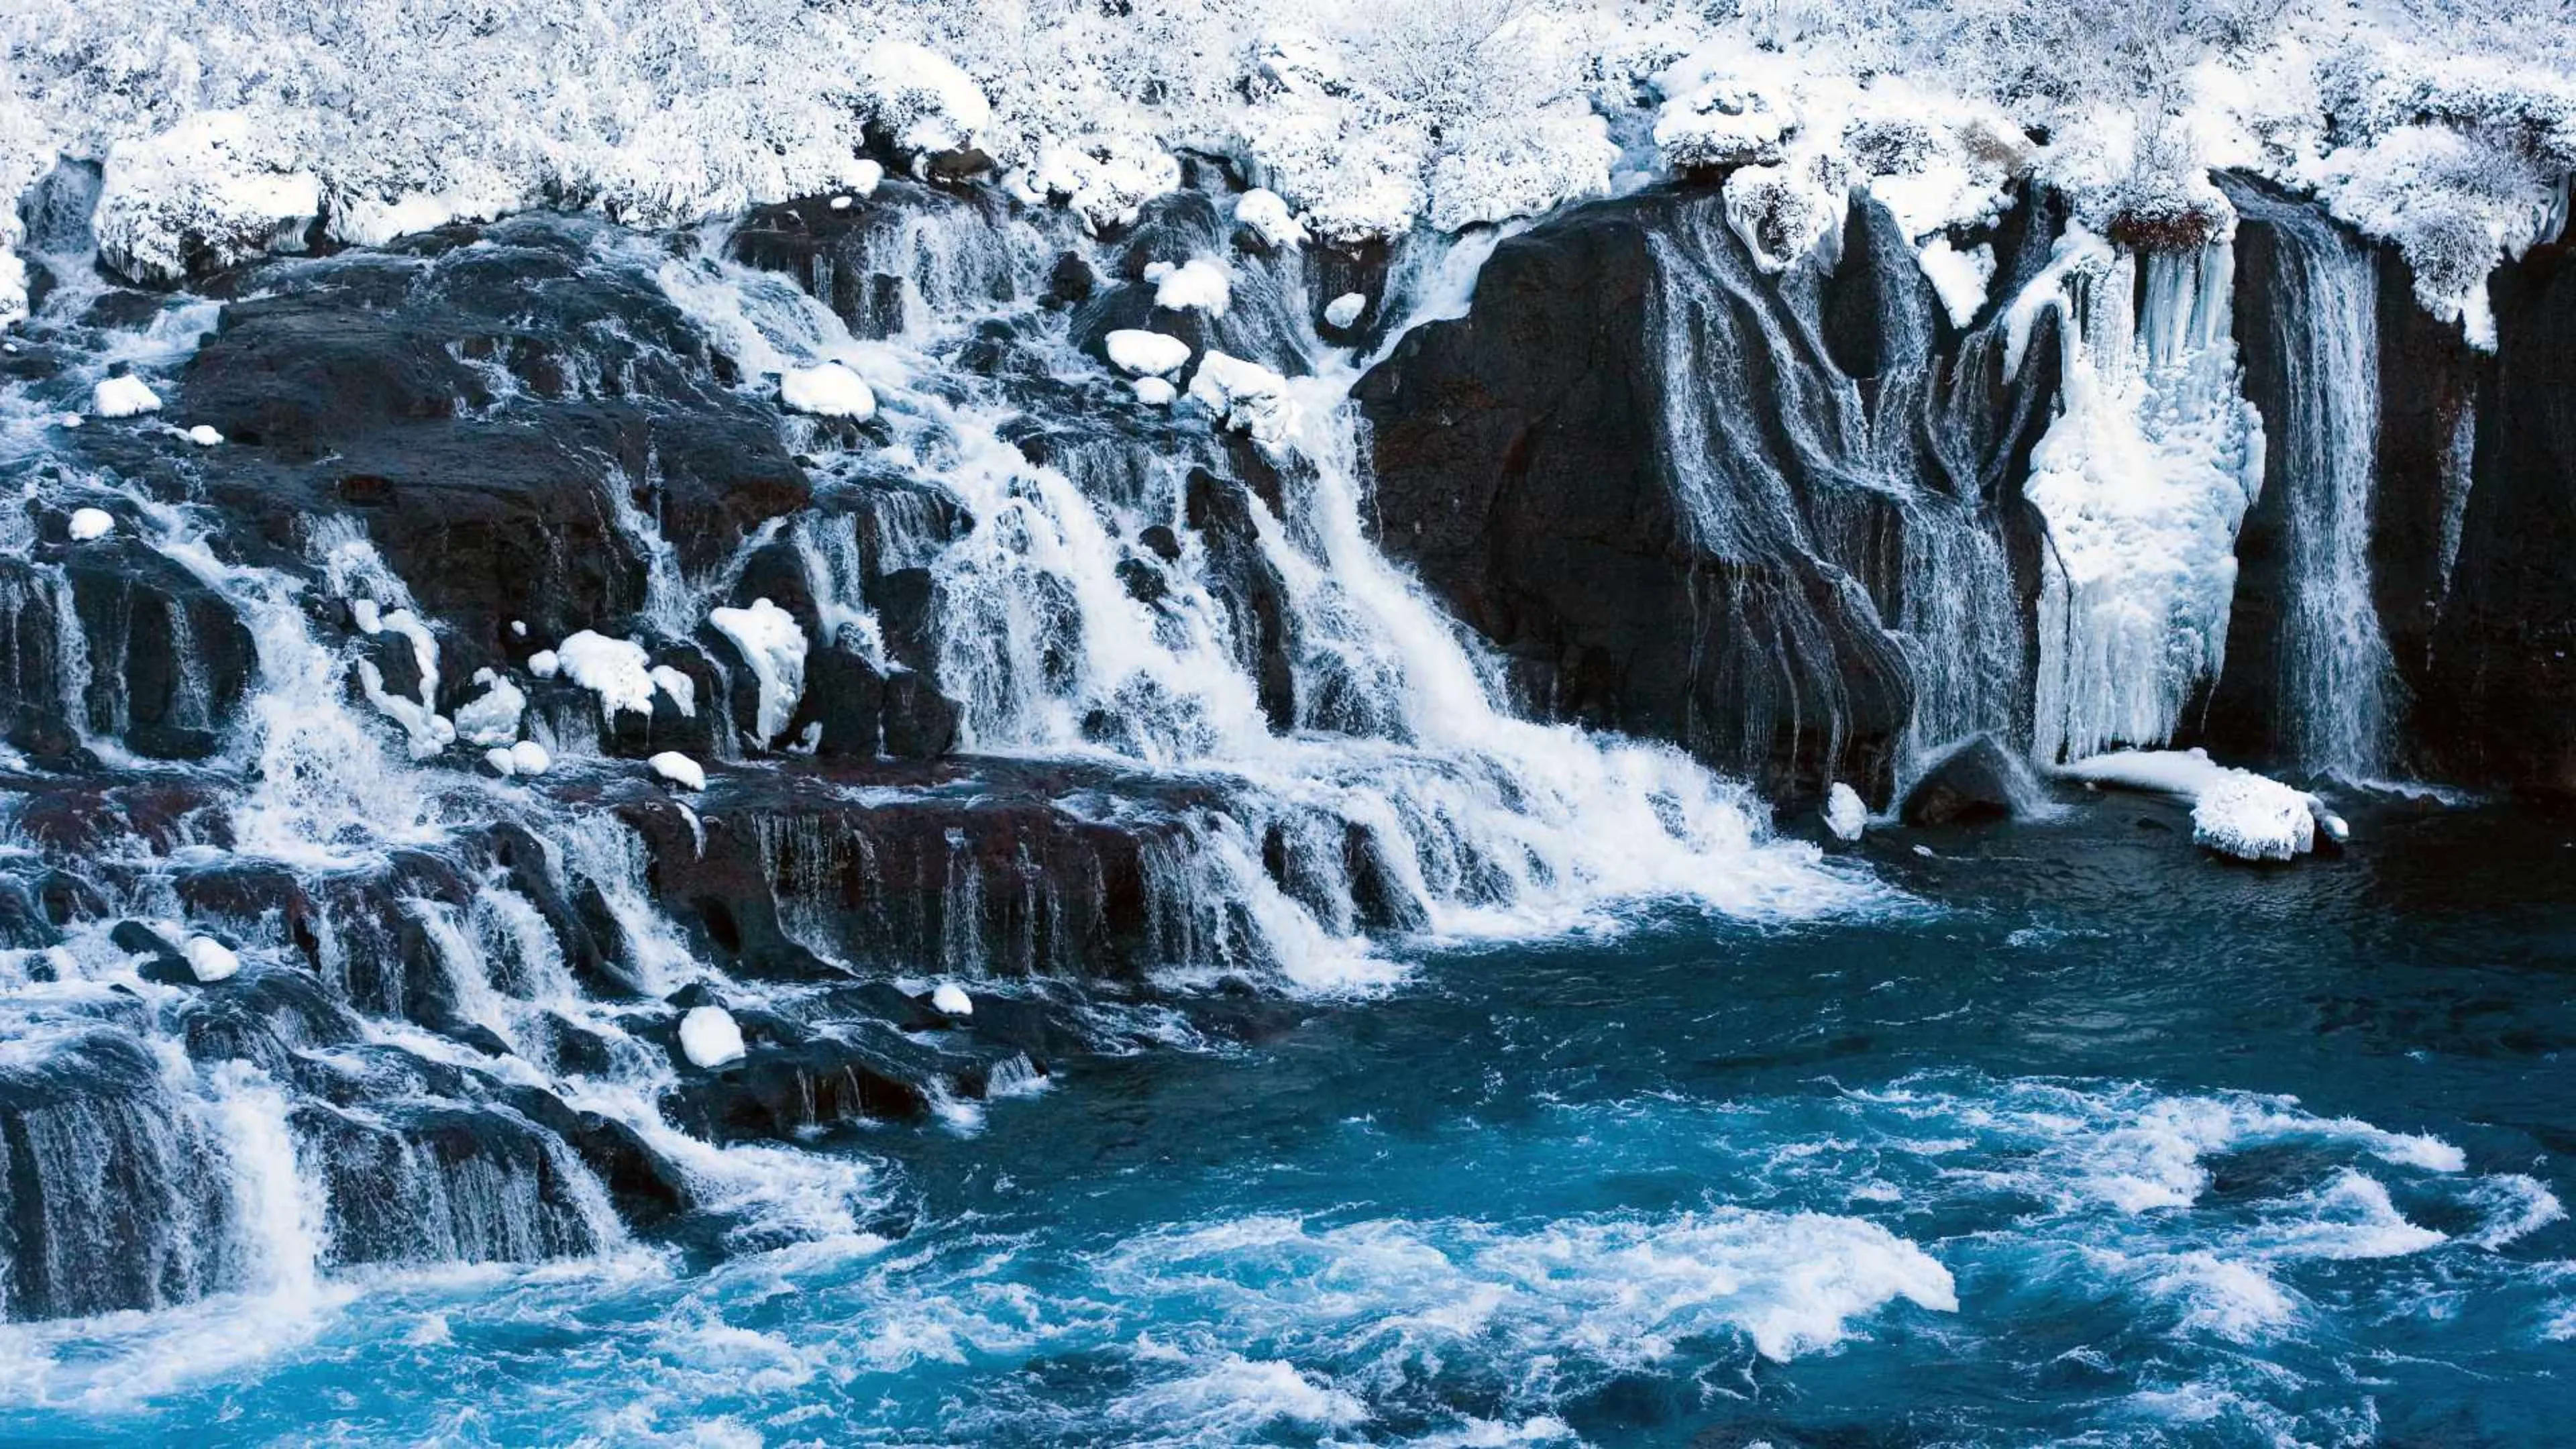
<point x="1664" y="485"/>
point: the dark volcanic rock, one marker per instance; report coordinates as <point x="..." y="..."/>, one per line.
<point x="1724" y="587"/>
<point x="1976" y="782"/>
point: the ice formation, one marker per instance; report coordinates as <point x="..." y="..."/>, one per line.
<point x="614" y="669"/>
<point x="1845" y="815"/>
<point x="774" y="647"/>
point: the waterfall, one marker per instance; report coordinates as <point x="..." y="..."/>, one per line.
<point x="2143" y="478"/>
<point x="2336" y="673"/>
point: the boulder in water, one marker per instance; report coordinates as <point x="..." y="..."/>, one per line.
<point x="1975" y="782"/>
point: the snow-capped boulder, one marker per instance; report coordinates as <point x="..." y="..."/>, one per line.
<point x="1265" y="213"/>
<point x="679" y="770"/>
<point x="1155" y="392"/>
<point x="1783" y="211"/>
<point x="923" y="101"/>
<point x="828" y="390"/>
<point x="614" y="669"/>
<point x="950" y="999"/>
<point x="204" y="436"/>
<point x="1197" y="285"/>
<point x="1105" y="179"/>
<point x="1722" y="123"/>
<point x="1246" y="396"/>
<point x="217" y="188"/>
<point x="123" y="396"/>
<point x="1345" y="309"/>
<point x="90" y="523"/>
<point x="1140" y="353"/>
<point x="527" y="757"/>
<point x="710" y="1038"/>
<point x="210" y="960"/>
<point x="491" y="719"/>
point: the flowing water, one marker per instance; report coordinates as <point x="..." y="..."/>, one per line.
<point x="2110" y="1146"/>
<point x="1354" y="1060"/>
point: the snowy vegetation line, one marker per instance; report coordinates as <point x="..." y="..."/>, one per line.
<point x="227" y="127"/>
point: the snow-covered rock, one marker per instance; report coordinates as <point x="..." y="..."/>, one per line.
<point x="1199" y="285"/>
<point x="1345" y="309"/>
<point x="1107" y="179"/>
<point x="214" y="189"/>
<point x="1845" y="815"/>
<point x="828" y="390"/>
<point x="1721" y="122"/>
<point x="774" y="646"/>
<point x="527" y="757"/>
<point x="924" y="102"/>
<point x="2234" y="812"/>
<point x="123" y="396"/>
<point x="679" y="770"/>
<point x="90" y="523"/>
<point x="950" y="999"/>
<point x="710" y="1037"/>
<point x="1961" y="278"/>
<point x="545" y="664"/>
<point x="204" y="436"/>
<point x="491" y="719"/>
<point x="1266" y="213"/>
<point x="1146" y="354"/>
<point x="1155" y="392"/>
<point x="210" y="960"/>
<point x="617" y="670"/>
<point x="501" y="761"/>
<point x="1246" y="396"/>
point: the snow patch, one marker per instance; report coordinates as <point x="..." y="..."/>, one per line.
<point x="492" y="718"/>
<point x="1345" y="309"/>
<point x="91" y="523"/>
<point x="1198" y="284"/>
<point x="950" y="999"/>
<point x="1246" y="396"/>
<point x="2234" y="812"/>
<point x="1267" y="214"/>
<point x="679" y="770"/>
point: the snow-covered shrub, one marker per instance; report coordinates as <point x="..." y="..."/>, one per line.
<point x="213" y="189"/>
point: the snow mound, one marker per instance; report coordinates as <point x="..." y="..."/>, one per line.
<point x="1961" y="278"/>
<point x="614" y="669"/>
<point x="681" y="688"/>
<point x="2234" y="812"/>
<point x="1723" y="122"/>
<point x="1155" y="392"/>
<point x="774" y="646"/>
<point x="90" y="523"/>
<point x="679" y="770"/>
<point x="709" y="1037"/>
<point x="210" y="960"/>
<point x="216" y="189"/>
<point x="829" y="390"/>
<point x="1267" y="214"/>
<point x="1146" y="354"/>
<point x="1345" y="309"/>
<point x="204" y="436"/>
<point x="527" y="757"/>
<point x="950" y="999"/>
<point x="1198" y="284"/>
<point x="123" y="396"/>
<point x="1845" y="815"/>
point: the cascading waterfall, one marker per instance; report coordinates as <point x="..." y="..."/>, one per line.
<point x="1204" y="733"/>
<point x="2336" y="671"/>
<point x="1778" y="455"/>
<point x="2143" y="478"/>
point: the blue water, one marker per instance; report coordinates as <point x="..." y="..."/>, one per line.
<point x="2097" y="1142"/>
